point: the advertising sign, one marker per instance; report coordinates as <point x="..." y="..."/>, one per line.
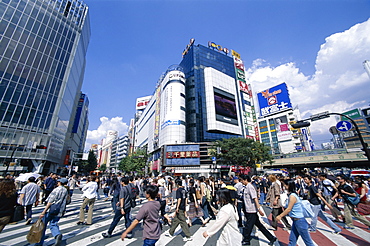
<point x="182" y="155"/>
<point x="141" y="102"/>
<point x="353" y="114"/>
<point x="218" y="47"/>
<point x="282" y="128"/>
<point x="274" y="100"/>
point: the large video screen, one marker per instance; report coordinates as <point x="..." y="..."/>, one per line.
<point x="225" y="106"/>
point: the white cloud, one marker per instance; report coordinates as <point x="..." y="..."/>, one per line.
<point x="339" y="83"/>
<point x="95" y="136"/>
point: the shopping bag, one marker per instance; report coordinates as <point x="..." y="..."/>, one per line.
<point x="35" y="233"/>
<point x="18" y="213"/>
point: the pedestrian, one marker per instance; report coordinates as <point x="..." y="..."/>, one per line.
<point x="49" y="185"/>
<point x="149" y="213"/>
<point x="29" y="195"/>
<point x="345" y="191"/>
<point x="194" y="210"/>
<point x="328" y="191"/>
<point x="252" y="206"/>
<point x="72" y="184"/>
<point x="227" y="220"/>
<point x="115" y="190"/>
<point x="203" y="201"/>
<point x="89" y="195"/>
<point x="273" y="198"/>
<point x="123" y="209"/>
<point x="180" y="214"/>
<point x="8" y="199"/>
<point x="313" y="198"/>
<point x="57" y="196"/>
<point x="239" y="198"/>
<point x="295" y="211"/>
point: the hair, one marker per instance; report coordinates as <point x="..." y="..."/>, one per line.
<point x="245" y="177"/>
<point x="201" y="179"/>
<point x="7" y="187"/>
<point x="323" y="175"/>
<point x="152" y="191"/>
<point x="191" y="182"/>
<point x="125" y="180"/>
<point x="272" y="177"/>
<point x="342" y="176"/>
<point x="291" y="185"/>
<point x="308" y="177"/>
<point x="178" y="182"/>
<point x="32" y="179"/>
<point x="224" y="197"/>
<point x="131" y="178"/>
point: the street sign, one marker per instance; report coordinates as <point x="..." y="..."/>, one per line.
<point x="213" y="158"/>
<point x="344" y="126"/>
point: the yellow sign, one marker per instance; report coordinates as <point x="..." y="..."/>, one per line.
<point x="236" y="54"/>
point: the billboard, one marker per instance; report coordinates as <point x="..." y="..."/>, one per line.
<point x="274" y="100"/>
<point x="141" y="102"/>
<point x="182" y="155"/>
<point x="225" y="107"/>
<point x="282" y="128"/>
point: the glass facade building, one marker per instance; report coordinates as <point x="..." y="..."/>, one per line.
<point x="43" y="46"/>
<point x="194" y="62"/>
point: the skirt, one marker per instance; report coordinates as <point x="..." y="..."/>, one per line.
<point x="194" y="212"/>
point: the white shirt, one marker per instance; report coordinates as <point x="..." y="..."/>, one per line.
<point x="227" y="220"/>
<point x="89" y="190"/>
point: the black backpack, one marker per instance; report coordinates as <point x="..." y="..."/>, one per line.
<point x="133" y="192"/>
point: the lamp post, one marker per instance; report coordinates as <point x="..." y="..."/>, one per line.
<point x="304" y="123"/>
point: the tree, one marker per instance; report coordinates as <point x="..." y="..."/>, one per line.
<point x="90" y="164"/>
<point x="103" y="167"/>
<point x="241" y="152"/>
<point x="135" y="162"/>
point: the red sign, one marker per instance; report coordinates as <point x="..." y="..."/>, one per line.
<point x="182" y="154"/>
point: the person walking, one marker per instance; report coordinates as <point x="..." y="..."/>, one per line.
<point x="72" y="184"/>
<point x="29" y="195"/>
<point x="124" y="209"/>
<point x="328" y="191"/>
<point x="180" y="214"/>
<point x="57" y="196"/>
<point x="89" y="195"/>
<point x="226" y="220"/>
<point x="239" y="197"/>
<point x="313" y="198"/>
<point x="273" y="198"/>
<point x="115" y="190"/>
<point x="252" y="206"/>
<point x="49" y="185"/>
<point x="194" y="209"/>
<point x="8" y="199"/>
<point x="203" y="201"/>
<point x="295" y="211"/>
<point x="345" y="191"/>
<point x="149" y="213"/>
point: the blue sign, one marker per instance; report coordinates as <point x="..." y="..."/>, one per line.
<point x="213" y="158"/>
<point x="344" y="126"/>
<point x="274" y="100"/>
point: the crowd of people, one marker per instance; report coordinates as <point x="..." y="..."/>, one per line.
<point x="235" y="202"/>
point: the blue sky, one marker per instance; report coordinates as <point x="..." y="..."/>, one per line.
<point x="316" y="46"/>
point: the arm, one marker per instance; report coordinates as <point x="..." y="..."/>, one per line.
<point x="363" y="192"/>
<point x="122" y="205"/>
<point x="21" y="197"/>
<point x="258" y="206"/>
<point x="178" y="205"/>
<point x="292" y="201"/>
<point x="222" y="219"/>
<point x="131" y="227"/>
<point x="323" y="199"/>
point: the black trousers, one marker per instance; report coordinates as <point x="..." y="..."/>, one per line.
<point x="254" y="220"/>
<point x="275" y="212"/>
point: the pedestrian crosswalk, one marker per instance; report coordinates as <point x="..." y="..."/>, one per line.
<point x="81" y="235"/>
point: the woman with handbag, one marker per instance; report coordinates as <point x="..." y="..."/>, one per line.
<point x="54" y="210"/>
<point x="194" y="211"/>
<point x="8" y="199"/>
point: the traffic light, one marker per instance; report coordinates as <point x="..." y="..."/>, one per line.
<point x="41" y="147"/>
<point x="301" y="124"/>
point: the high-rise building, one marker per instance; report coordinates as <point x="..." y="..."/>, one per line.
<point x="120" y="148"/>
<point x="43" y="47"/>
<point x="80" y="125"/>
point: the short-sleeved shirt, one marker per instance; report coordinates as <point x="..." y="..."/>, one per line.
<point x="181" y="194"/>
<point x="50" y="183"/>
<point x="124" y="193"/>
<point x="149" y="212"/>
<point x="346" y="188"/>
<point x="250" y="194"/>
<point x="191" y="193"/>
<point x="59" y="195"/>
<point x="327" y="187"/>
<point x="312" y="197"/>
<point x="30" y="192"/>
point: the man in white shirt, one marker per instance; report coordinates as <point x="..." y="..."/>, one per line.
<point x="89" y="195"/>
<point x="28" y="196"/>
<point x="328" y="191"/>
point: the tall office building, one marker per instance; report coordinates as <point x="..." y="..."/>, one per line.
<point x="120" y="147"/>
<point x="81" y="124"/>
<point x="43" y="46"/>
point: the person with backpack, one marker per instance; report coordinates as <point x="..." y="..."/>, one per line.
<point x="203" y="199"/>
<point x="123" y="209"/>
<point x="348" y="194"/>
<point x="134" y="191"/>
<point x="295" y="211"/>
<point x="313" y="198"/>
<point x="328" y="191"/>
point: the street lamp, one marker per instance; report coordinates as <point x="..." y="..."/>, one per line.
<point x="304" y="123"/>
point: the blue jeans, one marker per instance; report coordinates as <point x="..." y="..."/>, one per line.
<point x="54" y="227"/>
<point x="204" y="206"/>
<point x="318" y="212"/>
<point x="300" y="228"/>
<point x="115" y="199"/>
<point x="149" y="242"/>
<point x="117" y="217"/>
<point x="262" y="198"/>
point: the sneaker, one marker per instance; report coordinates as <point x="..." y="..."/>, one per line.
<point x="273" y="241"/>
<point x="337" y="232"/>
<point x="106" y="235"/>
<point x="287" y="229"/>
<point x="129" y="235"/>
<point x="169" y="235"/>
<point x="246" y="243"/>
<point x="349" y="227"/>
<point x="312" y="231"/>
<point x="188" y="239"/>
<point x="29" y="221"/>
<point x="58" y="240"/>
<point x="80" y="223"/>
